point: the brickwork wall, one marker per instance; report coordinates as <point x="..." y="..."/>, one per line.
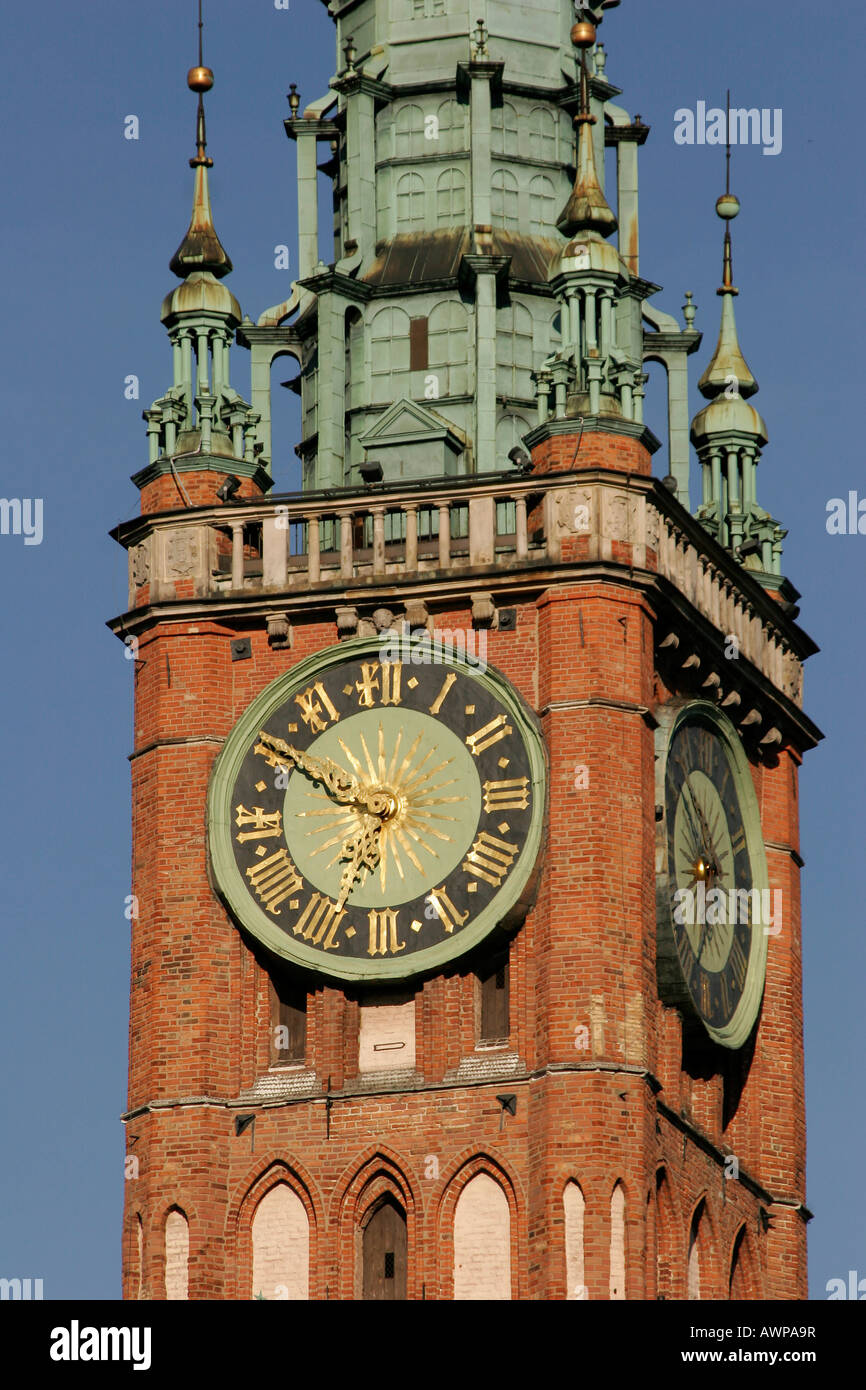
<point x="593" y="1043"/>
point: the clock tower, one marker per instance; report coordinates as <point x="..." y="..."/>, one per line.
<point x="466" y="915"/>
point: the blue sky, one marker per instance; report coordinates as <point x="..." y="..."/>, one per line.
<point x="91" y="220"/>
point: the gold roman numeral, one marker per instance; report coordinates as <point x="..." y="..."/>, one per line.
<point x="265" y="824"/>
<point x="738" y="843"/>
<point x="739" y="963"/>
<point x="511" y="795"/>
<point x="446" y="686"/>
<point x="726" y="996"/>
<point x="497" y="729"/>
<point x="489" y="858"/>
<point x="274" y="880"/>
<point x="314" y="703"/>
<point x="318" y="923"/>
<point x="383" y="933"/>
<point x="390" y="674"/>
<point x="445" y="909"/>
<point x="705" y="995"/>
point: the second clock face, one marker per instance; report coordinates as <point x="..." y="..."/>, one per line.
<point x="373" y="818"/>
<point x="716" y="874"/>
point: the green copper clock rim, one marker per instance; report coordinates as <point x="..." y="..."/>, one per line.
<point x="227" y="878"/>
<point x="737" y="1030"/>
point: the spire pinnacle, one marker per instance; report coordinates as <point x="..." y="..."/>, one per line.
<point x="727" y="363"/>
<point x="201" y="248"/>
<point x="587" y="209"/>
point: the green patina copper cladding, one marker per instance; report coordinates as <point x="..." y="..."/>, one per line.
<point x="452" y="149"/>
<point x="201" y="421"/>
<point x="729" y="435"/>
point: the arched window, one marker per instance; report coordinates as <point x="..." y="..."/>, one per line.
<point x="452" y="127"/>
<point x="514" y="352"/>
<point x="384" y="1247"/>
<point x="281" y="1246"/>
<point x="542" y="206"/>
<point x="482" y="1241"/>
<point x="542" y="134"/>
<point x="410" y="200"/>
<point x="448" y="339"/>
<point x="354" y="358"/>
<point x="574" y="1207"/>
<point x="509" y="434"/>
<point x="555" y="339"/>
<point x="389" y="355"/>
<point x="450" y="198"/>
<point x="504" y="199"/>
<point x="505" y="129"/>
<point x="176" y="1255"/>
<point x="408" y="131"/>
<point x="310" y="391"/>
<point x="617" y="1242"/>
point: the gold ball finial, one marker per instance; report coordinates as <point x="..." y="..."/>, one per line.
<point x="728" y="206"/>
<point x="583" y="34"/>
<point x="199" y="79"/>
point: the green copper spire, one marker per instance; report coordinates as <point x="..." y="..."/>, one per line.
<point x="201" y="248"/>
<point x="728" y="364"/>
<point x="587" y="209"/>
<point x="729" y="435"/>
<point x="201" y="417"/>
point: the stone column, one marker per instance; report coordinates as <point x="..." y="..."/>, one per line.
<point x="237" y="555"/>
<point x="346" y="560"/>
<point x="444" y="535"/>
<point x="410" y="563"/>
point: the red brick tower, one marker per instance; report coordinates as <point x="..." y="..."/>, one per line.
<point x="578" y="1072"/>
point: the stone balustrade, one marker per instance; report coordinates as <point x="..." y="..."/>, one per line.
<point x="306" y="543"/>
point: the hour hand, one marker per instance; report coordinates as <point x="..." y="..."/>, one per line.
<point x="332" y="777"/>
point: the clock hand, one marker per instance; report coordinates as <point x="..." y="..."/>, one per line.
<point x="364" y="851"/>
<point x="332" y="777"/>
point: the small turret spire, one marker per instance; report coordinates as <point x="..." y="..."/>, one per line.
<point x="729" y="435"/>
<point x="727" y="363"/>
<point x="201" y="248"/>
<point x="587" y="209"/>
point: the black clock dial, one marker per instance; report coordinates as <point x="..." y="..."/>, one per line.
<point x="712" y="849"/>
<point x="381" y="811"/>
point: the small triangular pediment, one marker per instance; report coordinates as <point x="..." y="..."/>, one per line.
<point x="407" y="422"/>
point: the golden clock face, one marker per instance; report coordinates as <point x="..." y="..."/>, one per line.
<point x="374" y="818"/>
<point x="712" y="895"/>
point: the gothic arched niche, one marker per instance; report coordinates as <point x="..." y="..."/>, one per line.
<point x="482" y="1241"/>
<point x="695" y="1253"/>
<point x="281" y="1246"/>
<point x="176" y="1255"/>
<point x="575" y="1208"/>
